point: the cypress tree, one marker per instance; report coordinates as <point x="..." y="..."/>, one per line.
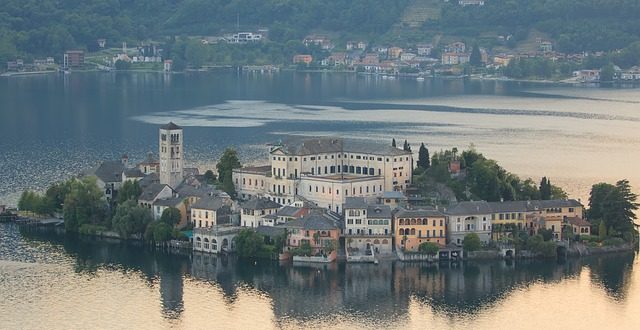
<point x="423" y="157"/>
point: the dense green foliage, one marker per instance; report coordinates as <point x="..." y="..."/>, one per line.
<point x="576" y="25"/>
<point x="46" y="27"/>
<point x="613" y="207"/>
<point x="130" y="190"/>
<point x="423" y="157"/>
<point x="83" y="204"/>
<point x="304" y="249"/>
<point x="429" y="248"/>
<point x="484" y="179"/>
<point x="158" y="231"/>
<point x="171" y="216"/>
<point x="225" y="166"/>
<point x="130" y="219"/>
<point x="250" y="244"/>
<point x="471" y="242"/>
<point x="539" y="245"/>
<point x="209" y="177"/>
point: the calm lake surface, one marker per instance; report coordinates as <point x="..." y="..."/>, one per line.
<point x="52" y="126"/>
<point x="49" y="281"/>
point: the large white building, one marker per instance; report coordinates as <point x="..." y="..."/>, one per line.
<point x="171" y="152"/>
<point x="326" y="171"/>
<point x="469" y="217"/>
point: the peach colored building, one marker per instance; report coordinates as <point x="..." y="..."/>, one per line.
<point x="319" y="229"/>
<point x="414" y="227"/>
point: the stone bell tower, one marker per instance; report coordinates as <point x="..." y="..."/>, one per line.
<point x="171" y="152"/>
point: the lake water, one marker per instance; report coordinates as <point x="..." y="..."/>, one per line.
<point x="49" y="281"/>
<point x="52" y="126"/>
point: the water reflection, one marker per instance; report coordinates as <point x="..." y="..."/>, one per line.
<point x="379" y="295"/>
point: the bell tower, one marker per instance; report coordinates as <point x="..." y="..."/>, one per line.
<point x="171" y="151"/>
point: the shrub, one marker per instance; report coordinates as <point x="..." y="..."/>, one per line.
<point x="613" y="241"/>
<point x="471" y="242"/>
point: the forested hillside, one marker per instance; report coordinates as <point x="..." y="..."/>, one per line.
<point x="48" y="27"/>
<point x="575" y="25"/>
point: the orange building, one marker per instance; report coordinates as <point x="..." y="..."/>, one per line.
<point x="414" y="227"/>
<point x="318" y="229"/>
<point x="300" y="58"/>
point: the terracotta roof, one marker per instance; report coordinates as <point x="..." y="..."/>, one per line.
<point x="578" y="222"/>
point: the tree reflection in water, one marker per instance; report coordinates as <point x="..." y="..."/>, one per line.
<point x="378" y="294"/>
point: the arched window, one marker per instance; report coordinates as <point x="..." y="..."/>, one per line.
<point x="413" y="231"/>
<point x="214" y="245"/>
<point x="401" y="231"/>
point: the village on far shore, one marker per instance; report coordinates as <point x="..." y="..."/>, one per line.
<point x="326" y="199"/>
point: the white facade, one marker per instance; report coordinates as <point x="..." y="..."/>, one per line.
<point x="255" y="218"/>
<point x="171" y="152"/>
<point x="326" y="171"/>
<point x="215" y="239"/>
<point x="469" y="217"/>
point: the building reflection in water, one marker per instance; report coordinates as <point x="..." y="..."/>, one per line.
<point x="376" y="294"/>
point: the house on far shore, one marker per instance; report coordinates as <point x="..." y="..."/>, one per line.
<point x="302" y="58"/>
<point x="73" y="59"/>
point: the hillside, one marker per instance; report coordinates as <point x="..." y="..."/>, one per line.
<point x="48" y="27"/>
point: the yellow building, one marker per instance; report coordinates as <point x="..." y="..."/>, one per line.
<point x="414" y="227"/>
<point x="533" y="215"/>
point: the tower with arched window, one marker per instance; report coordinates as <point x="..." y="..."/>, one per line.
<point x="171" y="152"/>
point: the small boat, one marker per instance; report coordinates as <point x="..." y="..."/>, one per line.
<point x="420" y="79"/>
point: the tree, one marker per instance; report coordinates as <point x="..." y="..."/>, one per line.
<point x="602" y="231"/>
<point x="607" y="73"/>
<point x="83" y="204"/>
<point x="249" y="243"/>
<point x="545" y="189"/>
<point x="196" y="53"/>
<point x="547" y="234"/>
<point x="471" y="242"/>
<point x="225" y="166"/>
<point x="171" y="216"/>
<point x="158" y="231"/>
<point x="209" y="177"/>
<point x="423" y="157"/>
<point x="476" y="57"/>
<point x="130" y="218"/>
<point x="122" y="65"/>
<point x="429" y="248"/>
<point x="393" y="143"/>
<point x="406" y="146"/>
<point x="615" y="205"/>
<point x="130" y="190"/>
<point x="56" y="194"/>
